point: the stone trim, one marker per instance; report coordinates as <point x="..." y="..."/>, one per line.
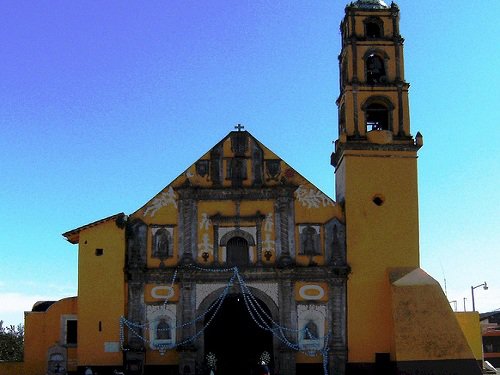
<point x="247" y="193"/>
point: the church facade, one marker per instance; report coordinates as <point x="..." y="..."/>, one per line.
<point x="240" y="256"/>
<point x="241" y="263"/>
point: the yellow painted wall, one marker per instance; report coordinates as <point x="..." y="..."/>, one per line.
<point x="12" y="368"/>
<point x="44" y="330"/>
<point x="425" y="327"/>
<point x="101" y="293"/>
<point x="469" y="322"/>
<point x="304" y="358"/>
<point x="378" y="237"/>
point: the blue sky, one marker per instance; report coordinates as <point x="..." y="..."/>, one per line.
<point x="103" y="103"/>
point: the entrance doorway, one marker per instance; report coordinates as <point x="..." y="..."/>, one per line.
<point x="235" y="339"/>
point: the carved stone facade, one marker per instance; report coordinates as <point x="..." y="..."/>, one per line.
<point x="241" y="198"/>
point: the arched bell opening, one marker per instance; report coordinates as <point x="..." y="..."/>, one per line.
<point x="378" y="113"/>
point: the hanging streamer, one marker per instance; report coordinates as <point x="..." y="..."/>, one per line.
<point x="258" y="314"/>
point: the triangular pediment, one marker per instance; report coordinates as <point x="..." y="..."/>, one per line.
<point x="238" y="164"/>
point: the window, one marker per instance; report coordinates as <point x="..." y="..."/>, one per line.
<point x="373" y="30"/>
<point x="237" y="251"/>
<point x="377" y="117"/>
<point x="162" y="332"/>
<point x="375" y="69"/>
<point x="71" y="332"/>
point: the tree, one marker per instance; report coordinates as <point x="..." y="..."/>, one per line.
<point x="11" y="342"/>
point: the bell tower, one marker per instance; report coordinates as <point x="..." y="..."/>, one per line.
<point x="375" y="162"/>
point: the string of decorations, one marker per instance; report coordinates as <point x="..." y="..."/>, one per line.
<point x="257" y="313"/>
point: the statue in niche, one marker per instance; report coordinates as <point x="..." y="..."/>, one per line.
<point x="311" y="331"/>
<point x="202" y="167"/>
<point x="163" y="330"/>
<point x="162" y="244"/>
<point x="336" y="245"/>
<point x="273" y="169"/>
<point x="239" y="143"/>
<point x="309" y="240"/>
<point x="215" y="164"/>
<point x="257" y="160"/>
<point x="237" y="171"/>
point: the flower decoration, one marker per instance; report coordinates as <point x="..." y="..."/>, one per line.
<point x="211" y="360"/>
<point x="265" y="358"/>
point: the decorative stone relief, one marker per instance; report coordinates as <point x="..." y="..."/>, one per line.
<point x="304" y="309"/>
<point x="312" y="198"/>
<point x="271" y="289"/>
<point x="203" y="290"/>
<point x="250" y="230"/>
<point x="268" y="223"/>
<point x="163" y="292"/>
<point x="202" y="167"/>
<point x="268" y="244"/>
<point x="205" y="246"/>
<point x="273" y="169"/>
<point x="205" y="221"/>
<point x="155" y="312"/>
<point x="311" y="292"/>
<point x="162" y="200"/>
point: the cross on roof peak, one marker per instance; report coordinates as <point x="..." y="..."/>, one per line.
<point x="239" y="127"/>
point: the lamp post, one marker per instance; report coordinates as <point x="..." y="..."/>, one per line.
<point x="485" y="287"/>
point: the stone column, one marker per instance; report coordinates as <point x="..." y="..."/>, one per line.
<point x="187" y="351"/>
<point x="284" y="212"/>
<point x="136" y="314"/>
<point x="338" y="341"/>
<point x="258" y="235"/>
<point x="216" y="244"/>
<point x="187" y="238"/>
<point x="288" y="319"/>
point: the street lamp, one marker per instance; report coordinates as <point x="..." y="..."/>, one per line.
<point x="485" y="287"/>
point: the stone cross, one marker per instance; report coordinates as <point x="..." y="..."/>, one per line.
<point x="239" y="127"/>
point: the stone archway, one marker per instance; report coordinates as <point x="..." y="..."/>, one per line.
<point x="234" y="337"/>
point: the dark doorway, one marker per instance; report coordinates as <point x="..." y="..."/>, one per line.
<point x="237" y="252"/>
<point x="235" y="339"/>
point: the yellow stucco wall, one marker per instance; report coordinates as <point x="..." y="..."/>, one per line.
<point x="378" y="237"/>
<point x="469" y="322"/>
<point x="425" y="327"/>
<point x="12" y="368"/>
<point x="43" y="330"/>
<point x="101" y="293"/>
